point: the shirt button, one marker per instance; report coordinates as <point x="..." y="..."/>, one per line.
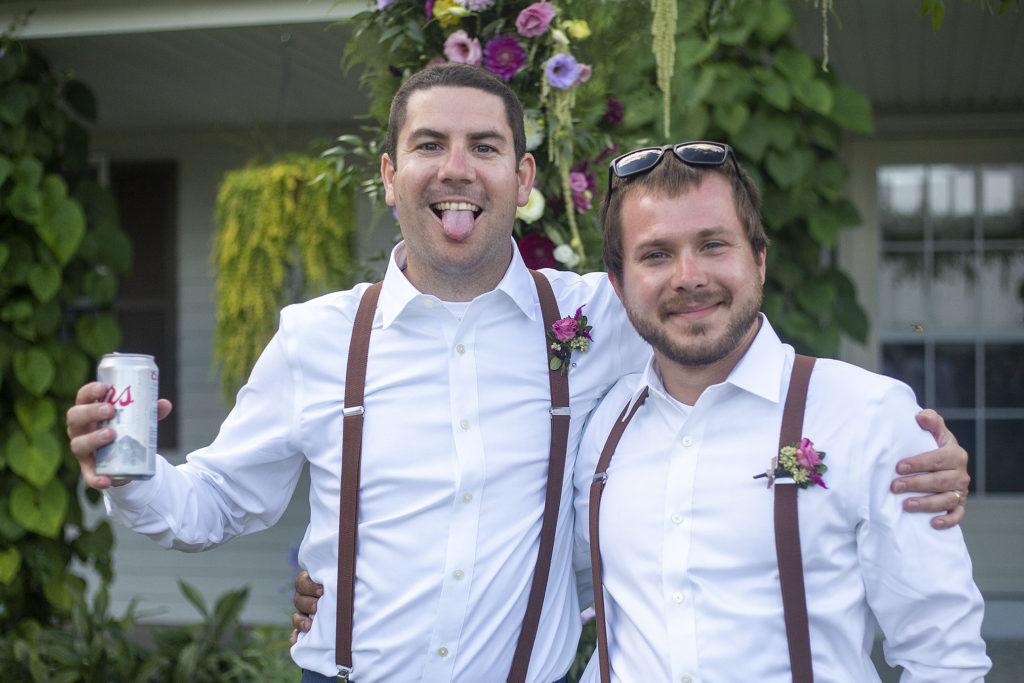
<point x="429" y="303"/>
<point x="467" y="497"/>
<point x="687" y="441"/>
<point x="677" y="518"/>
<point x="678" y="597"/>
<point x="464" y="424"/>
<point x="442" y="652"/>
<point x="460" y="348"/>
<point x="458" y="574"/>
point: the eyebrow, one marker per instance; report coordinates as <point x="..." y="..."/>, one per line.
<point x="432" y="134"/>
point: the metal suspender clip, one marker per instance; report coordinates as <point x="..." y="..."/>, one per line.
<point x="601" y="477"/>
<point x="344" y="672"/>
<point x="353" y="411"/>
<point x="560" y="411"/>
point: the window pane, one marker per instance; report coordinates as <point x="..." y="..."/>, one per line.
<point x="1004" y="377"/>
<point x="954" y="376"/>
<point x="1004" y="458"/>
<point x="901" y="202"/>
<point x="966" y="432"/>
<point x="1002" y="201"/>
<point x="1002" y="288"/>
<point x="902" y="305"/>
<point x="951" y="202"/>
<point x="906" y="362"/>
<point x="953" y="295"/>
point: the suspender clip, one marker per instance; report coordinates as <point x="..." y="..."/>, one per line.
<point x="601" y="477"/>
<point x="344" y="672"/>
<point x="560" y="411"/>
<point x="352" y="411"/>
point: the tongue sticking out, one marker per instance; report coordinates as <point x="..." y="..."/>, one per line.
<point x="457" y="224"/>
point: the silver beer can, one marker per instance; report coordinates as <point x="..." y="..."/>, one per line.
<point x="133" y="383"/>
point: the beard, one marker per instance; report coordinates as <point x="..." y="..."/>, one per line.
<point x="703" y="350"/>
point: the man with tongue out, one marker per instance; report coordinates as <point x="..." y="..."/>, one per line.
<point x="455" y="414"/>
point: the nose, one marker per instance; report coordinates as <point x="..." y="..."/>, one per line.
<point x="457" y="166"/>
<point x="688" y="273"/>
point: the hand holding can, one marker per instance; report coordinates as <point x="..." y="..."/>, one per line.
<point x="132" y="389"/>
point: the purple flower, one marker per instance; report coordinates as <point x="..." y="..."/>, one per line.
<point x="459" y="47"/>
<point x="613" y="113"/>
<point x="381" y="4"/>
<point x="537" y="251"/>
<point x="562" y="71"/>
<point x="428" y="9"/>
<point x="566" y="328"/>
<point x="504" y="56"/>
<point x="577" y="181"/>
<point x="809" y="460"/>
<point x="535" y="19"/>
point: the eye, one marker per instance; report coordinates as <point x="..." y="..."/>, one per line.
<point x="485" y="149"/>
<point x="655" y="255"/>
<point x="714" y="245"/>
<point x="429" y="147"/>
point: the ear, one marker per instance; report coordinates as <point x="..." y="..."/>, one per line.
<point x="387" y="175"/>
<point x="762" y="262"/>
<point x="616" y="285"/>
<point x="525" y="175"/>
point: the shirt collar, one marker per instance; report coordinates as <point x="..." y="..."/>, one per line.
<point x="759" y="371"/>
<point x="397" y="293"/>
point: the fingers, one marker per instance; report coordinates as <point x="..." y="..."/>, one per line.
<point x="300" y="623"/>
<point x="933" y="482"/>
<point x="163" y="408"/>
<point x="85" y="438"/>
<point x="294" y="637"/>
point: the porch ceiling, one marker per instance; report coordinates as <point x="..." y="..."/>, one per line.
<point x="174" y="65"/>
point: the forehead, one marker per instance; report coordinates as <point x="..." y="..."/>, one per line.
<point x="453" y="109"/>
<point x="660" y="214"/>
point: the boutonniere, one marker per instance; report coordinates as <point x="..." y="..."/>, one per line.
<point x="569" y="334"/>
<point x="798" y="461"/>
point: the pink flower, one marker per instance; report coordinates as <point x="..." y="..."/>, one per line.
<point x="504" y="56"/>
<point x="459" y="47"/>
<point x="566" y="328"/>
<point x="577" y="181"/>
<point x="538" y="251"/>
<point x="535" y="19"/>
<point x="381" y="4"/>
<point x="809" y="460"/>
<point x="585" y="71"/>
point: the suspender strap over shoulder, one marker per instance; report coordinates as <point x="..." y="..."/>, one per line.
<point x="787" y="531"/>
<point x="559" y="386"/>
<point x="351" y="453"/>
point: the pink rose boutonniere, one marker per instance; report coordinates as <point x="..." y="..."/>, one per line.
<point x="800" y="462"/>
<point x="569" y="334"/>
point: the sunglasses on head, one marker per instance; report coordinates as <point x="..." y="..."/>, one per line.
<point x="695" y="153"/>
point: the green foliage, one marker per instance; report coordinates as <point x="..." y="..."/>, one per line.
<point x="94" y="647"/>
<point x="937" y="8"/>
<point x="61" y="250"/>
<point x="280" y="237"/>
<point x="737" y="77"/>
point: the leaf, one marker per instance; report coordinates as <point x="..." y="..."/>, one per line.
<point x="814" y="94"/>
<point x="44" y="281"/>
<point x="10" y="564"/>
<point x="5" y="169"/>
<point x="35" y="460"/>
<point x="98" y="335"/>
<point x="34" y="370"/>
<point x="35" y="414"/>
<point x="26" y="203"/>
<point x="62" y="224"/>
<point x="5" y="252"/>
<point x="795" y="65"/>
<point x="731" y="118"/>
<point x="28" y="171"/>
<point x="787" y="168"/>
<point x="752" y="140"/>
<point x="852" y="110"/>
<point x="40" y="510"/>
<point x="777" y="94"/>
<point x="73" y="370"/>
<point x="824" y="228"/>
<point x="815" y="296"/>
<point x="194" y="597"/>
<point x="81" y="100"/>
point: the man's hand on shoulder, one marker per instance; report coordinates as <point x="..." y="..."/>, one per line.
<point x="941" y="472"/>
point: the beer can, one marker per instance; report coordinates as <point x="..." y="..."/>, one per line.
<point x="133" y="383"/>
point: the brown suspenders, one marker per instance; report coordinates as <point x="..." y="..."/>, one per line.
<point x="351" y="450"/>
<point x="787" y="531"/>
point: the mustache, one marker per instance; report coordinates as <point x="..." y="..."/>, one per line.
<point x="684" y="302"/>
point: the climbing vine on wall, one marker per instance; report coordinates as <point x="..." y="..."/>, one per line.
<point x="280" y="238"/>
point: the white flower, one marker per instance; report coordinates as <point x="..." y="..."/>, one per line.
<point x="567" y="255"/>
<point x="534" y="125"/>
<point x="534" y="208"/>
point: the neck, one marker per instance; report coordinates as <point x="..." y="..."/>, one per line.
<point x="686" y="383"/>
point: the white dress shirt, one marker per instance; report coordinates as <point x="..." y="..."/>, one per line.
<point x="688" y="548"/>
<point x="455" y="451"/>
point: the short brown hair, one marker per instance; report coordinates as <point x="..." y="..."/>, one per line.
<point x="672" y="177"/>
<point x="455" y="75"/>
